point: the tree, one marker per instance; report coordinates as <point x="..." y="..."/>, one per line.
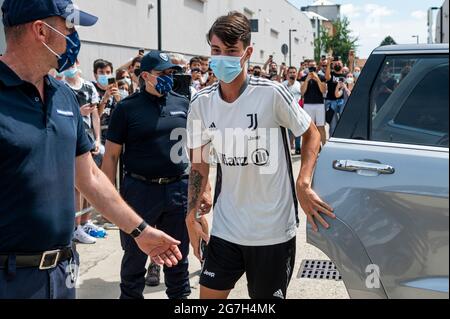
<point x="341" y="42"/>
<point x="388" y="41"/>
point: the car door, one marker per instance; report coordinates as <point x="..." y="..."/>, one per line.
<point x="385" y="171"/>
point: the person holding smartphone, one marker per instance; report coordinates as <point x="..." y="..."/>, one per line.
<point x="108" y="92"/>
<point x="334" y="72"/>
<point x="313" y="89"/>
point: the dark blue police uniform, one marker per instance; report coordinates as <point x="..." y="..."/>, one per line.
<point x="154" y="186"/>
<point x="39" y="141"/>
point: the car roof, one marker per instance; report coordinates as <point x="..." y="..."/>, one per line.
<point x="412" y="48"/>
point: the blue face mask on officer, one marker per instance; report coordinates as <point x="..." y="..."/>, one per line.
<point x="227" y="68"/>
<point x="164" y="84"/>
<point x="73" y="46"/>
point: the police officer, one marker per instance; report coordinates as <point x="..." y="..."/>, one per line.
<point x="42" y="145"/>
<point x="156" y="170"/>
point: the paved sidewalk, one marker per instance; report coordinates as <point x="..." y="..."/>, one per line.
<point x="100" y="269"/>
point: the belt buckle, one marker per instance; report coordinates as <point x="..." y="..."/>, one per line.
<point x="163" y="181"/>
<point x="49" y="259"/>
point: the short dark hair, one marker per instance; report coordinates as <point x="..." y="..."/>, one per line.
<point x="231" y="29"/>
<point x="203" y="58"/>
<point x="14" y="32"/>
<point x="120" y="73"/>
<point x="257" y="67"/>
<point x="137" y="59"/>
<point x="101" y="64"/>
<point x="195" y="60"/>
<point x="292" y="68"/>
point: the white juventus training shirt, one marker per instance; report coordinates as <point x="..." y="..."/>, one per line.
<point x="255" y="199"/>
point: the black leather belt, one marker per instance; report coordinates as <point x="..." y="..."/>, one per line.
<point x="159" y="181"/>
<point x="43" y="261"/>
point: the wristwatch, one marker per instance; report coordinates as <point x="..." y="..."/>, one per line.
<point x="139" y="230"/>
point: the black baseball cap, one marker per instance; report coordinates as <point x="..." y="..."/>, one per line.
<point x="16" y="12"/>
<point x="158" y="61"/>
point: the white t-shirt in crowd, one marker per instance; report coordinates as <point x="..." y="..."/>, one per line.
<point x="295" y="89"/>
<point x="255" y="202"/>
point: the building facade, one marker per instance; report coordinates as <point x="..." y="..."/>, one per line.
<point x="442" y="26"/>
<point x="125" y="26"/>
<point x="326" y="9"/>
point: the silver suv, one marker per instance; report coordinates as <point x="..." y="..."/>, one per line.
<point x="386" y="172"/>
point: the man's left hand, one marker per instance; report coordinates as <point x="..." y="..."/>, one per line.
<point x="314" y="206"/>
<point x="162" y="248"/>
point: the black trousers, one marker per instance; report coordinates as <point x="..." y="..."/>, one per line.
<point x="164" y="207"/>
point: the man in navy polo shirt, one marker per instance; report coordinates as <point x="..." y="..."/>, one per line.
<point x="42" y="145"/>
<point x="157" y="168"/>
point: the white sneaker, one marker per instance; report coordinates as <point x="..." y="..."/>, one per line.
<point x="81" y="237"/>
<point x="93" y="230"/>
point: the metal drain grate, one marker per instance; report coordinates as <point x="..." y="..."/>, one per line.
<point x="319" y="269"/>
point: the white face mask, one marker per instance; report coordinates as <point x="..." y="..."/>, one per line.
<point x="350" y="80"/>
<point x="124" y="93"/>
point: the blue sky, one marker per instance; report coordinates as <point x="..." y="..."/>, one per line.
<point x="373" y="20"/>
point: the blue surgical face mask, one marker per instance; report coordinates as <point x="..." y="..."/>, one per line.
<point x="73" y="46"/>
<point x="71" y="73"/>
<point x="226" y="68"/>
<point x="164" y="84"/>
<point x="102" y="79"/>
<point x="356" y="74"/>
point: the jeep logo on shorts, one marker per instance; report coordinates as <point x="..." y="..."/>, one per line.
<point x="260" y="157"/>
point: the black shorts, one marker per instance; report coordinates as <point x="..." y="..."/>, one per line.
<point x="268" y="268"/>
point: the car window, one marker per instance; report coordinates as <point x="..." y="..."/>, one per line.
<point x="409" y="101"/>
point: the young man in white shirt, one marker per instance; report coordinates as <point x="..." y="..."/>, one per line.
<point x="255" y="209"/>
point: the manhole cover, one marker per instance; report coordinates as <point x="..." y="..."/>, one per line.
<point x="319" y="269"/>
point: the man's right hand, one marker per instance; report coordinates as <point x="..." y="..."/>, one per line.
<point x="195" y="229"/>
<point x="112" y="90"/>
<point x="162" y="248"/>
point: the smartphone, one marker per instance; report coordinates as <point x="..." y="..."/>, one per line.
<point x="182" y="84"/>
<point x="111" y="81"/>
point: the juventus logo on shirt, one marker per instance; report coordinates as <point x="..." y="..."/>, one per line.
<point x="253" y="121"/>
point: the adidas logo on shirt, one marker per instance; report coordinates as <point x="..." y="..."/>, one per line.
<point x="213" y="126"/>
<point x="279" y="294"/>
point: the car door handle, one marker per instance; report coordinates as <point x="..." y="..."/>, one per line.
<point x="357" y="166"/>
